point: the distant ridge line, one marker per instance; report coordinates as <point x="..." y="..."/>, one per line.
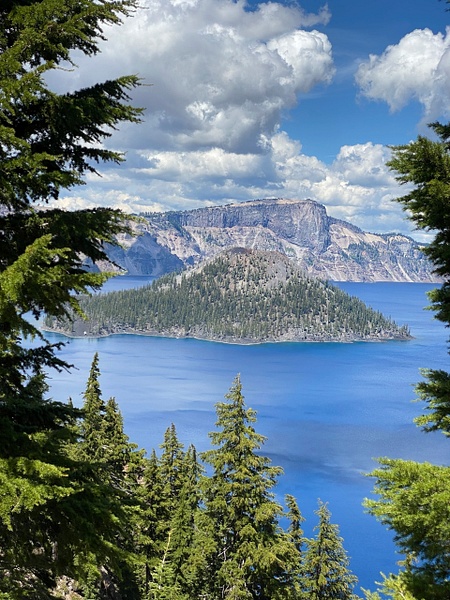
<point x="322" y="246"/>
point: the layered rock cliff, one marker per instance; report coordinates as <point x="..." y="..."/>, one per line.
<point x="301" y="229"/>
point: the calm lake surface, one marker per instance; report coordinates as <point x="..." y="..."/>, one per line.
<point x="327" y="409"/>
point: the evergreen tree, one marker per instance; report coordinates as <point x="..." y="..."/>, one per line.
<point x="293" y="578"/>
<point x="176" y="505"/>
<point x="414" y="498"/>
<point x="164" y="585"/>
<point x="120" y="451"/>
<point x="48" y="142"/>
<point x="326" y="574"/>
<point x="168" y="497"/>
<point x="118" y="466"/>
<point x="147" y="522"/>
<point x="295" y="522"/>
<point x="47" y="145"/>
<point x="171" y="466"/>
<point x="240" y="550"/>
<point x="394" y="587"/>
<point x="92" y="444"/>
<point x="183" y="521"/>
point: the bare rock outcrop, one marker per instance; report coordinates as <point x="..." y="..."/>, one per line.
<point x="301" y="229"/>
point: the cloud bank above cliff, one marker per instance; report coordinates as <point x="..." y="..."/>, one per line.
<point x="227" y="90"/>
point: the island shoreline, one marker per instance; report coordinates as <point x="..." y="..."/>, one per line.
<point x="234" y="342"/>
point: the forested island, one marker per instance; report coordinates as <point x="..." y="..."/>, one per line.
<point x="241" y="296"/>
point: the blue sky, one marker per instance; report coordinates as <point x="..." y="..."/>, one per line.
<point x="251" y="99"/>
<point x="337" y="114"/>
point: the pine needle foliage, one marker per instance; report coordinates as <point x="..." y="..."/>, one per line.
<point x="326" y="574"/>
<point x="48" y="143"/>
<point x="245" y="552"/>
<point x="414" y="498"/>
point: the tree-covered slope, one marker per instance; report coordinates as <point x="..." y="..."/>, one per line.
<point x="241" y="296"/>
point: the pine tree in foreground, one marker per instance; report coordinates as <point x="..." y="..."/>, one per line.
<point x="240" y="550"/>
<point x="48" y="143"/>
<point x="147" y="523"/>
<point x="164" y="585"/>
<point x="414" y="498"/>
<point x="326" y="574"/>
<point x="178" y="473"/>
<point x="117" y="466"/>
<point x="296" y="519"/>
<point x="91" y="444"/>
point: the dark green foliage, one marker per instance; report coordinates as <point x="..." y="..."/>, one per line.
<point x="117" y="466"/>
<point x="326" y="575"/>
<point x="414" y="498"/>
<point x="164" y="585"/>
<point x="360" y="252"/>
<point x="245" y="554"/>
<point x="163" y="528"/>
<point x="415" y="503"/>
<point x="296" y="519"/>
<point x="147" y="522"/>
<point x="91" y="428"/>
<point x="48" y="142"/>
<point x="46" y="137"/>
<point x="426" y="164"/>
<point x="435" y="391"/>
<point x="168" y="495"/>
<point x="183" y="521"/>
<point x="240" y="296"/>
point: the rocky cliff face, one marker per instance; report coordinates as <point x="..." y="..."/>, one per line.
<point x="303" y="223"/>
<point x="300" y="229"/>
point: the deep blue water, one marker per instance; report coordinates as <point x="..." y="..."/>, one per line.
<point x="327" y="409"/>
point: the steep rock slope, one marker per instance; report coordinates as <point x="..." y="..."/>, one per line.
<point x="301" y="229"/>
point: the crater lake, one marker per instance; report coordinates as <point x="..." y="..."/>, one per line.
<point x="327" y="409"/>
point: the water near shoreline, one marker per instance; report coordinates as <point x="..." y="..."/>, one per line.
<point x="326" y="409"/>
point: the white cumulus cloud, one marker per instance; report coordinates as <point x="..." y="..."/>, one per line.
<point x="417" y="68"/>
<point x="219" y="78"/>
<point x="216" y="73"/>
